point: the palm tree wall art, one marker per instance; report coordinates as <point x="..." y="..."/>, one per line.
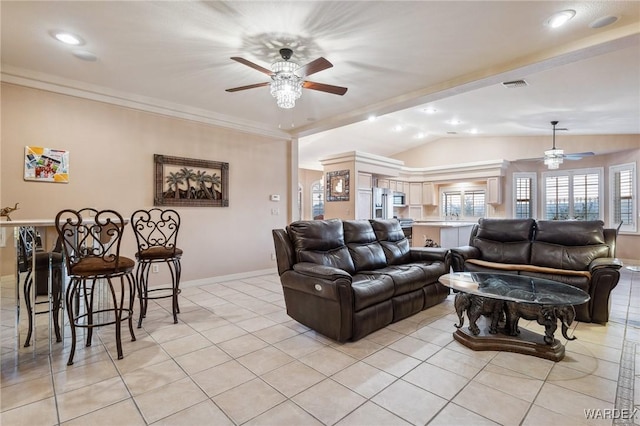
<point x="191" y="182"/>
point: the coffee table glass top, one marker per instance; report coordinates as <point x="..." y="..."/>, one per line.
<point x="517" y="288"/>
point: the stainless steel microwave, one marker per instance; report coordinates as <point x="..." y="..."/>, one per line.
<point x="399" y="199"/>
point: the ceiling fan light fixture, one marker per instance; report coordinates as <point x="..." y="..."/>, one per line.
<point x="286" y="91"/>
<point x="553" y="158"/>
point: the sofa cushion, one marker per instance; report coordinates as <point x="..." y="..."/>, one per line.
<point x="505" y="230"/>
<point x="365" y="250"/>
<point x="321" y="242"/>
<point x="570" y="232"/>
<point x="406" y="278"/>
<point x="369" y="289"/>
<point x="503" y="252"/>
<point x="391" y="237"/>
<point x="560" y="256"/>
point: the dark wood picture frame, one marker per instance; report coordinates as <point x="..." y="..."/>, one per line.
<point x="338" y="185"/>
<point x="190" y="182"/>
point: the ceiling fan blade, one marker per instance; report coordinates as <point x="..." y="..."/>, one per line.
<point x="250" y="86"/>
<point x="313" y="67"/>
<point x="578" y="155"/>
<point x="252" y="65"/>
<point x="530" y="159"/>
<point x="336" y="90"/>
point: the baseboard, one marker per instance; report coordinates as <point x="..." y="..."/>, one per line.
<point x="231" y="277"/>
<point x="202" y="281"/>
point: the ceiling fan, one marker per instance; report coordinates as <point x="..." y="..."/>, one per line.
<point x="288" y="78"/>
<point x="555" y="156"/>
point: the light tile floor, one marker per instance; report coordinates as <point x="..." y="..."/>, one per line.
<point x="236" y="358"/>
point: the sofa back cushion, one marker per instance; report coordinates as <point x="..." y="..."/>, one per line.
<point x="366" y="252"/>
<point x="570" y="232"/>
<point x="504" y="240"/>
<point x="568" y="244"/>
<point x="321" y="242"/>
<point x="394" y="244"/>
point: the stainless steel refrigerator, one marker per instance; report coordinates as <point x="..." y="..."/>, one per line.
<point x="382" y="203"/>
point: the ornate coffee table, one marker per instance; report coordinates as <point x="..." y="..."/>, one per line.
<point x="504" y="299"/>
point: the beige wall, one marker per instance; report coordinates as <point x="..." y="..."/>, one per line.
<point x="111" y="166"/>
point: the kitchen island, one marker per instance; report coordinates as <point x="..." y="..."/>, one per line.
<point x="447" y="234"/>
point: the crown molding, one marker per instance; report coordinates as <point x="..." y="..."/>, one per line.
<point x="50" y="83"/>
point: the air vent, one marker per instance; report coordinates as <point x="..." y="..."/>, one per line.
<point x="514" y="84"/>
<point x="452" y="133"/>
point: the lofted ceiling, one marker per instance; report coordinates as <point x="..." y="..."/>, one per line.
<point x="396" y="57"/>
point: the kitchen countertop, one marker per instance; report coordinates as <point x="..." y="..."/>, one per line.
<point x="443" y="224"/>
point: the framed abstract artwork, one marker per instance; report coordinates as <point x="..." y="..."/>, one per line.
<point x="338" y="185"/>
<point x="46" y="164"/>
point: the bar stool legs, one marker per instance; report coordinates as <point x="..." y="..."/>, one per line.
<point x="145" y="293"/>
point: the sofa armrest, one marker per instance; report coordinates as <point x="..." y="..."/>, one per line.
<point x="320" y="271"/>
<point x="461" y="254"/>
<point x="605" y="262"/>
<point x="429" y="253"/>
<point x="321" y="298"/>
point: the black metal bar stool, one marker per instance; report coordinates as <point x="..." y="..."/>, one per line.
<point x="91" y="241"/>
<point x="28" y="245"/>
<point x="156" y="232"/>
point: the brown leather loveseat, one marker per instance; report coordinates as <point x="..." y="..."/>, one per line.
<point x="578" y="253"/>
<point x="346" y="279"/>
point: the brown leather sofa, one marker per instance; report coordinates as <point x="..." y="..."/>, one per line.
<point x="578" y="253"/>
<point x="346" y="279"/>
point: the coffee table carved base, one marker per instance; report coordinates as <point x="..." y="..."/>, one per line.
<point x="502" y="333"/>
<point x="527" y="343"/>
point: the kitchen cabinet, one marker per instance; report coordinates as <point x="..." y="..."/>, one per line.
<point x="494" y="190"/>
<point x="364" y="204"/>
<point x="382" y="183"/>
<point x="429" y="197"/>
<point x="415" y="212"/>
<point x="365" y="180"/>
<point x="415" y="193"/>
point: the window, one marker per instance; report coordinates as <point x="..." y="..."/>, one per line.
<point x="622" y="197"/>
<point x="468" y="203"/>
<point x="524" y="195"/>
<point x="573" y="194"/>
<point x="317" y="199"/>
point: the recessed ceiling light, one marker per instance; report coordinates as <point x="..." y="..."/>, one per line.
<point x="421" y="135"/>
<point x="454" y="122"/>
<point x="397" y="128"/>
<point x="67" y="38"/>
<point x="372" y="118"/>
<point x="603" y="21"/>
<point x="85" y="55"/>
<point x="560" y="18"/>
<point x="429" y="110"/>
<point x="473" y="131"/>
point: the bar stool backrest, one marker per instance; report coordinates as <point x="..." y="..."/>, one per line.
<point x="156" y="228"/>
<point x="90" y="234"/>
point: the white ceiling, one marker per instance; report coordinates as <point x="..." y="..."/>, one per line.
<point x="395" y="57"/>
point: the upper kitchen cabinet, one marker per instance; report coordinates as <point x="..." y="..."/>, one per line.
<point x="429" y="197"/>
<point x="415" y="193"/>
<point x="494" y="190"/>
<point x="365" y="180"/>
<point x="383" y="183"/>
